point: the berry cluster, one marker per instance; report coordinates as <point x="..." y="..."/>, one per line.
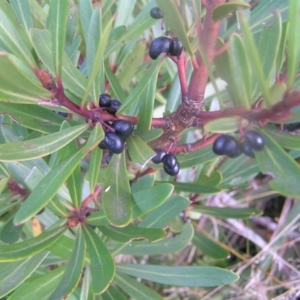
<point x="166" y="45"/>
<point x="228" y="145"/>
<point x="171" y="165"/>
<point x="156" y="13"/>
<point x="112" y="105"/>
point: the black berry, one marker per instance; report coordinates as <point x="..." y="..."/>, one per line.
<point x="176" y="47"/>
<point x="226" y="145"/>
<point x="104" y="100"/>
<point x="235" y="151"/>
<point x="108" y="157"/>
<point x="113" y="143"/>
<point x="159" y="45"/>
<point x="102" y="145"/>
<point x="160" y="154"/>
<point x="115" y="105"/>
<point x="170" y="160"/>
<point x="63" y="114"/>
<point x="172" y="171"/>
<point x="247" y="149"/>
<point x="156" y="13"/>
<point x="256" y="140"/>
<point x="123" y="128"/>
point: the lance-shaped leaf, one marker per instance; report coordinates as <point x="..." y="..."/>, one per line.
<point x="11" y="76"/>
<point x="40" y="287"/>
<point x="116" y="197"/>
<point x="180" y="276"/>
<point x="9" y="232"/>
<point x="194" y="188"/>
<point x="94" y="168"/>
<point x="51" y="183"/>
<point x="73" y="269"/>
<point x="222" y="11"/>
<point x="58" y="26"/>
<point x="135" y="289"/>
<point x="102" y="263"/>
<point x="132" y="232"/>
<point x="113" y="293"/>
<point x="22" y="10"/>
<point x="85" y="12"/>
<point x="280" y="165"/>
<point x="14" y="273"/>
<point x="39" y="147"/>
<point x="223" y="125"/>
<point x="31" y="246"/>
<point x="98" y="218"/>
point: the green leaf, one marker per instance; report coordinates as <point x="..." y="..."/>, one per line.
<point x="102" y="264"/>
<point x="9" y="232"/>
<point x="132" y="232"/>
<point x="11" y="76"/>
<point x="51" y="183"/>
<point x="85" y="12"/>
<point x="277" y="92"/>
<point x="180" y="276"/>
<point x="194" y="188"/>
<point x="39" y="147"/>
<point x="223" y="125"/>
<point x="293" y="42"/>
<point x="58" y="25"/>
<point x="116" y="196"/>
<point x="140" y="153"/>
<point x="135" y="289"/>
<point x="144" y="182"/>
<point x="208" y="247"/>
<point x="22" y="10"/>
<point x="98" y="218"/>
<point x="163" y="247"/>
<point x="148" y="135"/>
<point x="14" y="273"/>
<point x="73" y="270"/>
<point x="94" y="168"/>
<point x="161" y="216"/>
<point x="31" y="246"/>
<point x="222" y="11"/>
<point x="275" y="161"/>
<point x="158" y="194"/>
<point x="241" y="71"/>
<point x="195" y="158"/>
<point x="40" y="287"/>
<point x="113" y="293"/>
<point x="173" y="19"/>
<point x="227" y="212"/>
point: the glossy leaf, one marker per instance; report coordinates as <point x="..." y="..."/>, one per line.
<point x="222" y="11"/>
<point x="144" y="182"/>
<point x="102" y="264"/>
<point x="116" y="197"/>
<point x="135" y="289"/>
<point x="161" y="216"/>
<point x="11" y="76"/>
<point x="31" y="246"/>
<point x="59" y="14"/>
<point x="14" y="273"/>
<point x="165" y="246"/>
<point x="73" y="270"/>
<point x="132" y="232"/>
<point x="180" y="276"/>
<point x="194" y="188"/>
<point x="208" y="247"/>
<point x="139" y="152"/>
<point x="227" y="212"/>
<point x="39" y="147"/>
<point x="275" y="161"/>
<point x="148" y="199"/>
<point x="51" y="183"/>
<point x="39" y="288"/>
<point x="174" y="20"/>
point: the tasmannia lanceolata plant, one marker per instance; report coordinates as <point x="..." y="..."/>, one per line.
<point x="98" y="186"/>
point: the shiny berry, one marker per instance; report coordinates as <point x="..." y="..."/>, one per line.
<point x="113" y="143"/>
<point x="123" y="128"/>
<point x="256" y="140"/>
<point x="104" y="100"/>
<point x="172" y="171"/>
<point x="247" y="149"/>
<point x="235" y="151"/>
<point x="159" y="45"/>
<point x="158" y="158"/>
<point x="156" y="13"/>
<point x="115" y="105"/>
<point x="170" y="160"/>
<point x="176" y="47"/>
<point x="226" y="145"/>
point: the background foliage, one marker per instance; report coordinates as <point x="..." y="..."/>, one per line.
<point x="73" y="226"/>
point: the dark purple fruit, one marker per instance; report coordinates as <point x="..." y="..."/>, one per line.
<point x="104" y="100"/>
<point x="256" y="140"/>
<point x="170" y="160"/>
<point x="172" y="171"/>
<point x="235" y="152"/>
<point x="226" y="145"/>
<point x="115" y="105"/>
<point x="246" y="148"/>
<point x="102" y="145"/>
<point x="160" y="154"/>
<point x="156" y="13"/>
<point x="113" y="143"/>
<point x="159" y="45"/>
<point x="176" y="47"/>
<point x="63" y="114"/>
<point x="123" y="128"/>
